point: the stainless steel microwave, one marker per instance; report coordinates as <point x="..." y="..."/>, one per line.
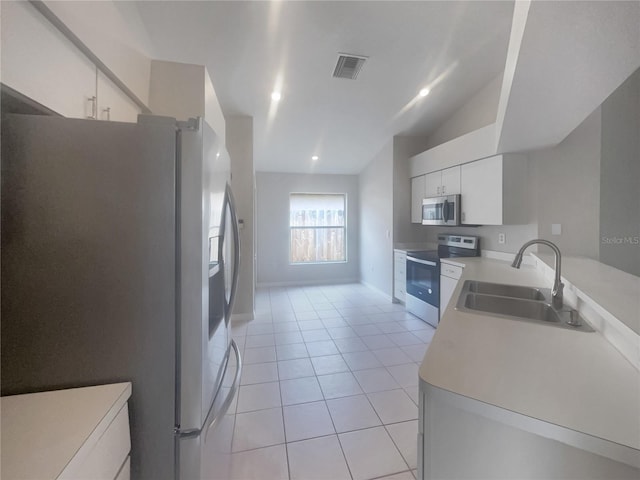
<point x="441" y="210"/>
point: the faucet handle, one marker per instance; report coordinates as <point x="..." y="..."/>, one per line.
<point x="574" y="318"/>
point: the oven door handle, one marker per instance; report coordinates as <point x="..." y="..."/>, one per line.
<point x="418" y="260"/>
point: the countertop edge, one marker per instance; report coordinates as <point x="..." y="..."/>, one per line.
<point x="581" y="440"/>
<point x="432" y="368"/>
<point x="53" y="411"/>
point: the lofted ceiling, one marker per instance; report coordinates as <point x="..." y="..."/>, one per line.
<point x="454" y="48"/>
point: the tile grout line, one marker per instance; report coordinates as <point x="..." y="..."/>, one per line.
<point x="302" y="296"/>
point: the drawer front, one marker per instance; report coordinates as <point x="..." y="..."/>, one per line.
<point x="109" y="453"/>
<point x="400" y="269"/>
<point x="400" y="257"/>
<point x="450" y="270"/>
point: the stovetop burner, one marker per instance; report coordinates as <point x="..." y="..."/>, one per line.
<point x="450" y="246"/>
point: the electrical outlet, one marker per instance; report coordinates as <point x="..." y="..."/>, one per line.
<point x="502" y="238"/>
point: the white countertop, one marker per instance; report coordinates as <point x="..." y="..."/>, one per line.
<point x="42" y="432"/>
<point x="615" y="291"/>
<point x="572" y="379"/>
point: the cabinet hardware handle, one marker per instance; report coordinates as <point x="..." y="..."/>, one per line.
<point x="438" y="190"/>
<point x="108" y="113"/>
<point x="443" y="187"/>
<point x="94" y="107"/>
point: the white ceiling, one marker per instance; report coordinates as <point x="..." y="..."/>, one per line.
<point x="251" y="48"/>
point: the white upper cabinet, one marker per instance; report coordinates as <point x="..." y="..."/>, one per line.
<point x="417" y="194"/>
<point x="494" y="191"/>
<point x="41" y="63"/>
<point x="433" y="184"/>
<point x="113" y="103"/>
<point x="443" y="182"/>
<point x="450" y="181"/>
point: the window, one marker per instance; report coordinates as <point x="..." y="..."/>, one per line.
<point x="318" y="227"/>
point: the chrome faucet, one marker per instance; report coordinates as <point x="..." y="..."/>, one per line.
<point x="558" y="286"/>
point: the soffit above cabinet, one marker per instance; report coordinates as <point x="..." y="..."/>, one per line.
<point x="564" y="60"/>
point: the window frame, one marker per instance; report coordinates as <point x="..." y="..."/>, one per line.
<point x="322" y="227"/>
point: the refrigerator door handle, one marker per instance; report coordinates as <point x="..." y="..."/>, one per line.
<point x="211" y="425"/>
<point x="236" y="249"/>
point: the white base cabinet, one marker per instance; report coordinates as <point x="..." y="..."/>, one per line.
<point x="495" y="191"/>
<point x="449" y="276"/>
<point x="462" y="438"/>
<point x="400" y="275"/>
<point x="78" y="433"/>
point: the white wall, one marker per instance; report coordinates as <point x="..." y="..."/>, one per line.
<point x="184" y="90"/>
<point x="620" y="178"/>
<point x="272" y="217"/>
<point x="479" y="111"/>
<point x="567" y="183"/>
<point x="564" y="186"/>
<point x="403" y="230"/>
<point x="376" y="221"/>
<point x="239" y="143"/>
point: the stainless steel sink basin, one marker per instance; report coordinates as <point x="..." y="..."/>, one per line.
<point x="516" y="303"/>
<point x="514" y="291"/>
<point x="511" y="307"/>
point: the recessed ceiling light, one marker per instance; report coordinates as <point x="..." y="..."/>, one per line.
<point x="315" y="157"/>
<point x="275" y="96"/>
<point x="424" y="92"/>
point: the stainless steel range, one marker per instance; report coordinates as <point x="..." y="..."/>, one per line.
<point x="423" y="274"/>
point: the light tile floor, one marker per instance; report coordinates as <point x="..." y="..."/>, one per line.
<point x="329" y="386"/>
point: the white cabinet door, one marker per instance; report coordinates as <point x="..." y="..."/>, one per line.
<point x="42" y="64"/>
<point x="417" y="194"/>
<point x="113" y="103"/>
<point x="451" y="181"/>
<point x="433" y="184"/>
<point x="481" y="188"/>
<point x="448" y="285"/>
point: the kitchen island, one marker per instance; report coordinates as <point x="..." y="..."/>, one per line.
<point x="502" y="398"/>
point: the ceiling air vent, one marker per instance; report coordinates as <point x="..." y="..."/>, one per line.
<point x="348" y="66"/>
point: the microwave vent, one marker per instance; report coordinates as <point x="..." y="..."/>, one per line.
<point x="348" y="66"/>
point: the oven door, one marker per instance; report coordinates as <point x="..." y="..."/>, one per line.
<point x="423" y="280"/>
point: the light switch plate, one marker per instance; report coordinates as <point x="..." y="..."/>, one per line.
<point x="556" y="229"/>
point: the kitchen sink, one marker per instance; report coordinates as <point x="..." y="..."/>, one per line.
<point x="511" y="307"/>
<point x="516" y="303"/>
<point x="514" y="291"/>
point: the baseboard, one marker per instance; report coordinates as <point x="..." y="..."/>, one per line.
<point x="378" y="291"/>
<point x="308" y="283"/>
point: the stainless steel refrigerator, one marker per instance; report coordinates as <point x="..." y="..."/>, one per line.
<point x="120" y="255"/>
